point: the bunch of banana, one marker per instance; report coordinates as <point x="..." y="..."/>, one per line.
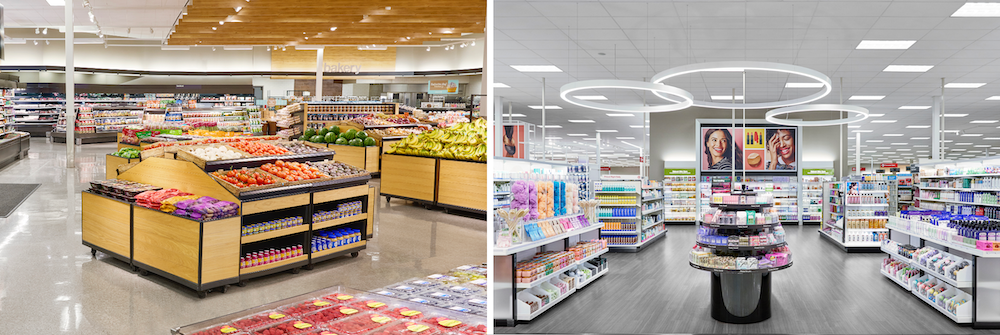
<point x="464" y="141"/>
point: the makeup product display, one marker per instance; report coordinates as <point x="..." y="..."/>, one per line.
<point x="856" y="211"/>
<point x="812" y="195"/>
<point x="740" y="242"/>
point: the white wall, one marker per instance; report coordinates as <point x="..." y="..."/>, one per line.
<point x="139" y="58"/>
<point x="274" y="87"/>
<point x="419" y="59"/>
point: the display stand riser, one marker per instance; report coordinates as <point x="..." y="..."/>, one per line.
<point x="751" y="289"/>
<point x="851" y="250"/>
<point x="254" y="162"/>
<point x="108" y="227"/>
<point x="286" y="267"/>
<point x="346" y="252"/>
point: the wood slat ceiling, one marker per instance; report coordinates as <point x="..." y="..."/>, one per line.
<point x="308" y="22"/>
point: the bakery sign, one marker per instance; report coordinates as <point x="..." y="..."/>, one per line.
<point x="442" y="86"/>
<point x="341" y="68"/>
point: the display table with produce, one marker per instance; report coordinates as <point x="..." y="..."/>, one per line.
<point x="443" y="167"/>
<point x="351" y="146"/>
<point x="226" y="212"/>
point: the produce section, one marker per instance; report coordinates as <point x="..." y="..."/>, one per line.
<point x="280" y="218"/>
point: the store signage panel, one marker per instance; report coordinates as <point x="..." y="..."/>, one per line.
<point x="817" y="172"/>
<point x="618" y="176"/>
<point x="605" y="168"/>
<point x="749" y="148"/>
<point x="442" y="86"/>
<point x="679" y="172"/>
<point x="889" y="165"/>
<point x="856" y="168"/>
<point x="513" y="142"/>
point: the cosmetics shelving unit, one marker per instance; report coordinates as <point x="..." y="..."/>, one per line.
<point x="621" y="213"/>
<point x="680" y="202"/>
<point x="508" y="309"/>
<point x="855" y="212"/>
<point x="812" y="198"/>
<point x="785" y="190"/>
<point x="752" y="303"/>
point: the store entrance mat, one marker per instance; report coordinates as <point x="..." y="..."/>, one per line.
<point x="13" y="195"/>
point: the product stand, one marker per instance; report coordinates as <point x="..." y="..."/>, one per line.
<point x="14" y="145"/>
<point x="642" y="233"/>
<point x="48" y="110"/>
<point x="838" y="214"/>
<point x="740" y="296"/>
<point x="680" y="199"/>
<point x="432" y="181"/>
<point x="812" y="198"/>
<point x="326" y="114"/>
<point x="99" y="135"/>
<point x="785" y="190"/>
<point x="205" y="255"/>
<point x="508" y="310"/>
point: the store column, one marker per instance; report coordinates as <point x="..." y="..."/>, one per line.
<point x="70" y="92"/>
<point x="319" y="74"/>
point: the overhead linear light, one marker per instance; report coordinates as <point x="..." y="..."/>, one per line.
<point x="955" y="115"/>
<point x="884" y="45"/>
<point x="637" y="126"/>
<point x="581" y="121"/>
<point x="853" y="127"/>
<point x="907" y="68"/>
<point x="893" y="135"/>
<point x="553" y="138"/>
<point x="214" y="28"/>
<point x="546" y="107"/>
<point x="883" y="121"/>
<point x="876" y="115"/>
<point x="874" y="141"/>
<point x="992" y="138"/>
<point x="982" y="146"/>
<point x="863" y="131"/>
<point x="985" y="121"/>
<point x="727" y="97"/>
<point x="620" y="114"/>
<point x="964" y="85"/>
<point x="918" y="126"/>
<point x="606" y="131"/>
<point x="803" y="85"/>
<point x="899" y="143"/>
<point x="625" y="138"/>
<point x="244" y="48"/>
<point x="866" y="97"/>
<point x="516" y="115"/>
<point x="550" y="126"/>
<point x="963" y="143"/>
<point x="920" y="146"/>
<point x="536" y="68"/>
<point x="591" y="97"/>
<point x="972" y="135"/>
<point x="333" y="28"/>
<point x="995" y="97"/>
<point x="978" y="9"/>
<point x="238" y="9"/>
<point x="784" y="69"/>
<point x="914" y="107"/>
<point x="883" y="148"/>
<point x="497" y="85"/>
<point x="578" y="135"/>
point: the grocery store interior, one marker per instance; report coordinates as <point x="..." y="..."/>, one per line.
<point x="264" y="167"/>
<point x="746" y="167"/>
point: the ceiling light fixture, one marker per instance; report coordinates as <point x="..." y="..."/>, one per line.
<point x="36" y="42"/>
<point x="918" y="126"/>
<point x="863" y="131"/>
<point x="893" y="135"/>
<point x="238" y="9"/>
<point x="978" y="9"/>
<point x="884" y="45"/>
<point x="914" y="107"/>
<point x="637" y="126"/>
<point x="606" y="131"/>
<point x="659" y="78"/>
<point x="497" y="85"/>
<point x="577" y="135"/>
<point x="920" y="138"/>
<point x="985" y="121"/>
<point x="857" y="113"/>
<point x="625" y="138"/>
<point x="38" y="31"/>
<point x="620" y="114"/>
<point x="907" y="68"/>
<point x="803" y="85"/>
<point x="581" y="121"/>
<point x="213" y="28"/>
<point x="866" y="97"/>
<point x="546" y="107"/>
<point x="883" y="121"/>
<point x="536" y="68"/>
<point x="657" y="89"/>
<point x="45" y="31"/>
<point x="964" y="85"/>
<point x="727" y="97"/>
<point x="590" y="97"/>
<point x="56" y="2"/>
<point x="874" y="141"/>
<point x="955" y="115"/>
<point x="428" y="48"/>
<point x="972" y="135"/>
<point x="550" y="126"/>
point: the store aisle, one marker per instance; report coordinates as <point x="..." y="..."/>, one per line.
<point x="825" y="291"/>
<point x="49" y="280"/>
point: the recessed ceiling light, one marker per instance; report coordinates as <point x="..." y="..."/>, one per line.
<point x="992" y="138"/>
<point x="914" y="107"/>
<point x="863" y="131"/>
<point x="948" y="141"/>
<point x="549" y="126"/>
<point x="578" y="135"/>
<point x="590" y="139"/>
<point x="982" y="146"/>
<point x="920" y="146"/>
<point x="874" y="141"/>
<point x="955" y="115"/>
<point x="893" y="135"/>
<point x="56" y="2"/>
<point x="500" y="85"/>
<point x="581" y="121"/>
<point x="922" y="151"/>
<point x="620" y="114"/>
<point x="625" y="138"/>
<point x="918" y="126"/>
<point x="726" y="97"/>
<point x="883" y="148"/>
<point x="536" y="68"/>
<point x="553" y="138"/>
<point x="899" y="143"/>
<point x="885" y="45"/>
<point x="908" y="68"/>
<point x="866" y="97"/>
<point x="637" y="126"/>
<point x="591" y="97"/>
<point x="985" y="121"/>
<point x="853" y="127"/>
<point x="964" y="85"/>
<point x="546" y="107"/>
<point x="978" y="9"/>
<point x="883" y="121"/>
<point x="515" y="115"/>
<point x="869" y="151"/>
<point x="903" y="149"/>
<point x="607" y="131"/>
<point x="803" y="85"/>
<point x="850" y="138"/>
<point x="963" y="143"/>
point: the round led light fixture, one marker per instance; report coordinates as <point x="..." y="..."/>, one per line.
<point x="686" y="99"/>
<point x="857" y="113"/>
<point x="740" y="66"/>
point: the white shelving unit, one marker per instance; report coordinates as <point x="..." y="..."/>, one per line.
<point x="680" y="199"/>
<point x="846" y="219"/>
<point x="811" y="201"/>
<point x="625" y="195"/>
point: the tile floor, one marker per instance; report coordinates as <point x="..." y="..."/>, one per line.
<point x="50" y="284"/>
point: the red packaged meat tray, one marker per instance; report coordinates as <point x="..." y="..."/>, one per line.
<point x="370" y="305"/>
<point x="341" y="297"/>
<point x="219" y="330"/>
<point x="306" y="307"/>
<point x="406" y="328"/>
<point x="260" y="320"/>
<point x="405" y="313"/>
<point x="329" y="315"/>
<point x="445" y="324"/>
<point x="288" y="328"/>
<point x="360" y="324"/>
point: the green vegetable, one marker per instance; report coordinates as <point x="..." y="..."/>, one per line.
<point x="330" y="137"/>
<point x="369" y="142"/>
<point x="341" y="141"/>
<point x="362" y="135"/>
<point x="310" y="133"/>
<point x="357" y="142"/>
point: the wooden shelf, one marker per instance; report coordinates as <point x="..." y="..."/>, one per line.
<point x="339" y="249"/>
<point x="274" y="233"/>
<point x="337" y="222"/>
<point x="264" y="267"/>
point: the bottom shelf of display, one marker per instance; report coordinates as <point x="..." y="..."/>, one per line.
<point x="853" y="246"/>
<point x="894" y="279"/>
<point x="765" y="270"/>
<point x="964" y="311"/>
<point x="636" y="247"/>
<point x="581" y="284"/>
<point x="532" y="315"/>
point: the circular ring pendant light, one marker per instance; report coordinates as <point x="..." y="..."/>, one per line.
<point x="685" y="101"/>
<point x="858" y="113"/>
<point x="739" y="66"/>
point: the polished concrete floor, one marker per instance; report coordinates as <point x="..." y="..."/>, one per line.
<point x="50" y="284"/>
<point x="826" y="291"/>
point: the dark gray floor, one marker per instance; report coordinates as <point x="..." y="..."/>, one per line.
<point x="826" y="291"/>
<point x="50" y="284"/>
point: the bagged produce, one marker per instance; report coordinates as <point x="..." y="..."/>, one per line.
<point x="572" y="198"/>
<point x="168" y="205"/>
<point x="208" y="208"/>
<point x="153" y="199"/>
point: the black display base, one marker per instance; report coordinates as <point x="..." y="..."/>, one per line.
<point x="741" y="298"/>
<point x="85" y="138"/>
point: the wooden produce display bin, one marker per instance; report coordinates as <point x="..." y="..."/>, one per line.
<point x="409" y="177"/>
<point x="107" y="226"/>
<point x="112" y="162"/>
<point x="462" y="184"/>
<point x="361" y="157"/>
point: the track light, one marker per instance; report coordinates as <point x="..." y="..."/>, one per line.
<point x="151" y="30"/>
<point x="222" y="22"/>
<point x="238" y="9"/>
<point x="213" y="48"/>
<point x="36" y="42"/>
<point x="407" y="38"/>
<point x="473" y="43"/>
<point x="388" y="8"/>
<point x="91" y="14"/>
<point x="282" y="48"/>
<point x="37" y="31"/>
<point x="307" y="37"/>
<point x="333" y="28"/>
<point x="214" y="28"/>
<point x="46" y="42"/>
<point x="268" y="48"/>
<point x="428" y="48"/>
<point x="45" y="31"/>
